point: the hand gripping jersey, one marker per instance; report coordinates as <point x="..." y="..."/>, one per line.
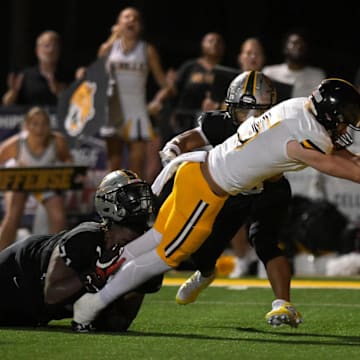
<point x="240" y="164"/>
<point x="216" y="126"/>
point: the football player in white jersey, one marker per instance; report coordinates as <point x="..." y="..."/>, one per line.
<point x="292" y="135"/>
<point x="263" y="212"/>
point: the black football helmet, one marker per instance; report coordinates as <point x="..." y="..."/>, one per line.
<point x="336" y="101"/>
<point x="122" y="196"/>
<point x="250" y="90"/>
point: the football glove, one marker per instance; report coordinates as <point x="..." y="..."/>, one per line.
<point x="168" y="153"/>
<point x="110" y="261"/>
<point x="107" y="264"/>
<point x="93" y="281"/>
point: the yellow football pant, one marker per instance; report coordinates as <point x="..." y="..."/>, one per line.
<point x="187" y="216"/>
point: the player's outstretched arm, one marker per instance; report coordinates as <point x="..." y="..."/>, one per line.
<point x="334" y="165"/>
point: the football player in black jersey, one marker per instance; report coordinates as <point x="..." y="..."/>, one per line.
<point x="43" y="275"/>
<point x="250" y="93"/>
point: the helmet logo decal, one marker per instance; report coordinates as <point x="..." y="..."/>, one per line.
<point x="248" y="99"/>
<point x="81" y="108"/>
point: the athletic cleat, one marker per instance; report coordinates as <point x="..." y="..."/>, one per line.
<point x="86" y="308"/>
<point x="192" y="287"/>
<point x="282" y="313"/>
<point x="80" y="328"/>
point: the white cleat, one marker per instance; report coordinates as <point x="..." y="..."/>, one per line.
<point x="86" y="308"/>
<point x="192" y="287"/>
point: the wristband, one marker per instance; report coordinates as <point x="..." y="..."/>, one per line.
<point x="172" y="147"/>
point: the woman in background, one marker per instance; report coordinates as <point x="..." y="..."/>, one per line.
<point x="129" y="60"/>
<point x="37" y="145"/>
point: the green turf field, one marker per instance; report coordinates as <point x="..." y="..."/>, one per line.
<point x="225" y="323"/>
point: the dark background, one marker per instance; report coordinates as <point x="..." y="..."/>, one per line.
<point x="176" y="28"/>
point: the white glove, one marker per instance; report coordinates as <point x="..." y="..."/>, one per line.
<point x="168" y="153"/>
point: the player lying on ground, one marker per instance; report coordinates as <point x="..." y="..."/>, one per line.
<point x="43" y="275"/>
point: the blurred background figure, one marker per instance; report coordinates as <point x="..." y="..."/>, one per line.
<point x="296" y="70"/>
<point x="129" y="60"/>
<point x="251" y="57"/>
<point x="39" y="84"/>
<point x="194" y="80"/>
<point x="357" y="78"/>
<point x="36" y="145"/>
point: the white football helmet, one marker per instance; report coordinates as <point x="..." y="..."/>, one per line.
<point x="251" y="90"/>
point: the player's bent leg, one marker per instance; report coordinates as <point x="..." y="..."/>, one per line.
<point x="283" y="313"/>
<point x="193" y="286"/>
<point x="134" y="273"/>
<point x="143" y="244"/>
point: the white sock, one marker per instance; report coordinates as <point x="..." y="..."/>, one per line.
<point x="140" y="245"/>
<point x="143" y="244"/>
<point x="132" y="274"/>
<point x="278" y="303"/>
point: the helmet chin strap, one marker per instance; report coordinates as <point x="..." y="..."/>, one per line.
<point x="311" y="107"/>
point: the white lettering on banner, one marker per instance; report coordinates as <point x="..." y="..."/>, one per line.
<point x="342" y="193"/>
<point x="86" y="156"/>
<point x="346" y="196"/>
<point x="11" y="121"/>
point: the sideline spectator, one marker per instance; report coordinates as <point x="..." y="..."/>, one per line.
<point x="42" y="83"/>
<point x="194" y="80"/>
<point x="250" y="57"/>
<point x="129" y="59"/>
<point x="295" y="69"/>
<point x="36" y="145"/>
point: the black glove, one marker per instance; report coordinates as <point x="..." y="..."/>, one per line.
<point x="93" y="281"/>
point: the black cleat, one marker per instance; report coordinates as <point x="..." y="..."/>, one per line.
<point x="80" y="328"/>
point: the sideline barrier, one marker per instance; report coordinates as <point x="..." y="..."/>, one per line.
<point x="42" y="178"/>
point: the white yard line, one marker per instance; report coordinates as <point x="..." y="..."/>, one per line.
<point x="246" y="283"/>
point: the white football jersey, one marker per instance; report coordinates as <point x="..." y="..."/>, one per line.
<point x="257" y="151"/>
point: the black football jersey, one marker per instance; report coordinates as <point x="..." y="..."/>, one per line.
<point x="217" y="126"/>
<point x="83" y="245"/>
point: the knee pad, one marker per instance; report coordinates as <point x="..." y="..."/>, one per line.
<point x="264" y="242"/>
